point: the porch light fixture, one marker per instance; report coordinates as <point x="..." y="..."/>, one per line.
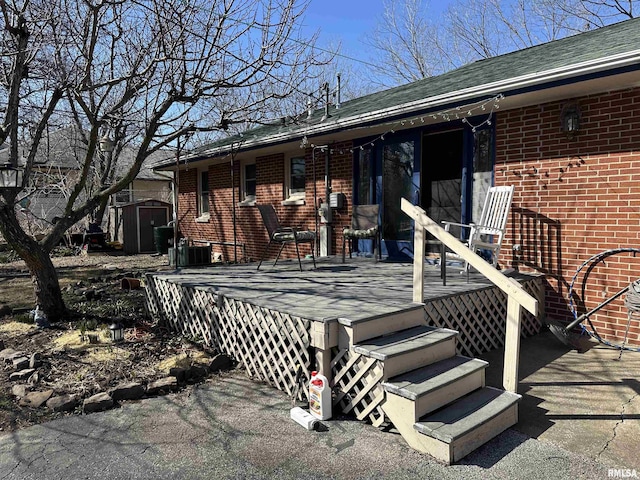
<point x="116" y="331"/>
<point x="10" y="177"/>
<point x="570" y="119"/>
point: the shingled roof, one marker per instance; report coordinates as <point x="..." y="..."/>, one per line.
<point x="607" y="48"/>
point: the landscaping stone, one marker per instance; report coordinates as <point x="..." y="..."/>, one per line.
<point x="97" y="403"/>
<point x="19" y="390"/>
<point x="35" y="360"/>
<point x="127" y="391"/>
<point x="21" y="375"/>
<point x="8" y="354"/>
<point x="20" y="363"/>
<point x="179" y="373"/>
<point x="35" y="399"/>
<point x="198" y="371"/>
<point x="63" y="403"/>
<point x="219" y="363"/>
<point x="167" y="384"/>
<point x="34" y="379"/>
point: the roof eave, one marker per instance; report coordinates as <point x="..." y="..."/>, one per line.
<point x="529" y="81"/>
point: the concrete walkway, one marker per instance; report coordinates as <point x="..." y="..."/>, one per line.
<point x="230" y="427"/>
<point x="588" y="403"/>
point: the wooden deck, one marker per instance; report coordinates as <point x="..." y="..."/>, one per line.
<point x="279" y="318"/>
<point x="358" y="289"/>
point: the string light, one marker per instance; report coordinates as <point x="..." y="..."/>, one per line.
<point x="447" y="115"/>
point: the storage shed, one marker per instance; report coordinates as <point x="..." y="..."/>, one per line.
<point x="132" y="224"/>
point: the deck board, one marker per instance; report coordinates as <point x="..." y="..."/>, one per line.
<point x="358" y="289"/>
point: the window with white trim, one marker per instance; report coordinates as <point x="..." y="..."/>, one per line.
<point x="248" y="182"/>
<point x="295" y="179"/>
<point x="203" y="193"/>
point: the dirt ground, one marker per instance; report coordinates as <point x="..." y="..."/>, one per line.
<point x="93" y="294"/>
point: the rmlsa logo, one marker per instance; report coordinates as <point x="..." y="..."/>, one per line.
<point x="622" y="473"/>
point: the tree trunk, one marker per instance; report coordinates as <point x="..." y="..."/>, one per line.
<point x="46" y="285"/>
<point x="43" y="274"/>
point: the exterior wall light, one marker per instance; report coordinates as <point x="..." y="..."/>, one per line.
<point x="570" y="120"/>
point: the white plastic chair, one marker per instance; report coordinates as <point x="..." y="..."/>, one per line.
<point x="488" y="232"/>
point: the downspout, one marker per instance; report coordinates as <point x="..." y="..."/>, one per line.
<point x="315" y="201"/>
<point x="233" y="208"/>
<point x="327" y="179"/>
<point x="176" y="190"/>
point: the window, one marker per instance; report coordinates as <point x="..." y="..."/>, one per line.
<point x="364" y="177"/>
<point x="295" y="172"/>
<point x="203" y="193"/>
<point x="248" y="183"/>
<point x="124" y="195"/>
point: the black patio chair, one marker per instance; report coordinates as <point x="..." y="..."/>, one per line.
<point x="284" y="235"/>
<point x="364" y="225"/>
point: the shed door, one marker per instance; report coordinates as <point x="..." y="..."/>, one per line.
<point x="147" y="219"/>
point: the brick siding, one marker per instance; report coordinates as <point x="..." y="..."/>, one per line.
<point x="270" y="179"/>
<point x="575" y="198"/>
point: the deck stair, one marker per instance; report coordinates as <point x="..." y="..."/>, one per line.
<point x="436" y="399"/>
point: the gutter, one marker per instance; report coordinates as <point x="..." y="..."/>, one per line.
<point x="459" y="96"/>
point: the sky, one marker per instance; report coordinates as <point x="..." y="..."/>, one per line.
<point x="349" y="21"/>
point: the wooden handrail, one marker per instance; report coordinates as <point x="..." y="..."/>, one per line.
<point x="517" y="296"/>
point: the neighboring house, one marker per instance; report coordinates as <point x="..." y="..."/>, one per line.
<point x="560" y="121"/>
<point x="57" y="171"/>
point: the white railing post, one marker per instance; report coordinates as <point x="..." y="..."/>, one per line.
<point x="418" y="263"/>
<point x="517" y="297"/>
<point x="512" y="346"/>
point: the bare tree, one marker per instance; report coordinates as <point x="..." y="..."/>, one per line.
<point x="410" y="43"/>
<point x="144" y="72"/>
<point x="406" y="43"/>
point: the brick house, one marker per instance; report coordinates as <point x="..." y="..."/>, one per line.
<point x="560" y="121"/>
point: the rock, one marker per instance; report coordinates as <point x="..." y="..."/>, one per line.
<point x="127" y="391"/>
<point x="63" y="403"/>
<point x="4" y="311"/>
<point x="97" y="403"/>
<point x="8" y="354"/>
<point x="20" y="363"/>
<point x="33" y="379"/>
<point x="21" y="375"/>
<point x="179" y="373"/>
<point x="220" y="362"/>
<point x="35" y="360"/>
<point x="163" y="385"/>
<point x="19" y="390"/>
<point x="35" y="399"/>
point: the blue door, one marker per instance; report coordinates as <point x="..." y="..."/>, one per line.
<point x="399" y="178"/>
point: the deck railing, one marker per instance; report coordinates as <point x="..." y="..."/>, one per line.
<point x="517" y="297"/>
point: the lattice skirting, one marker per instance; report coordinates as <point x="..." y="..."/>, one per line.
<point x="357" y="385"/>
<point x="480" y="316"/>
<point x="269" y="344"/>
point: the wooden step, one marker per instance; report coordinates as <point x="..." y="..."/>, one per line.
<point x="456" y="430"/>
<point x="431" y="387"/>
<point x="410" y="349"/>
<point x="364" y="328"/>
